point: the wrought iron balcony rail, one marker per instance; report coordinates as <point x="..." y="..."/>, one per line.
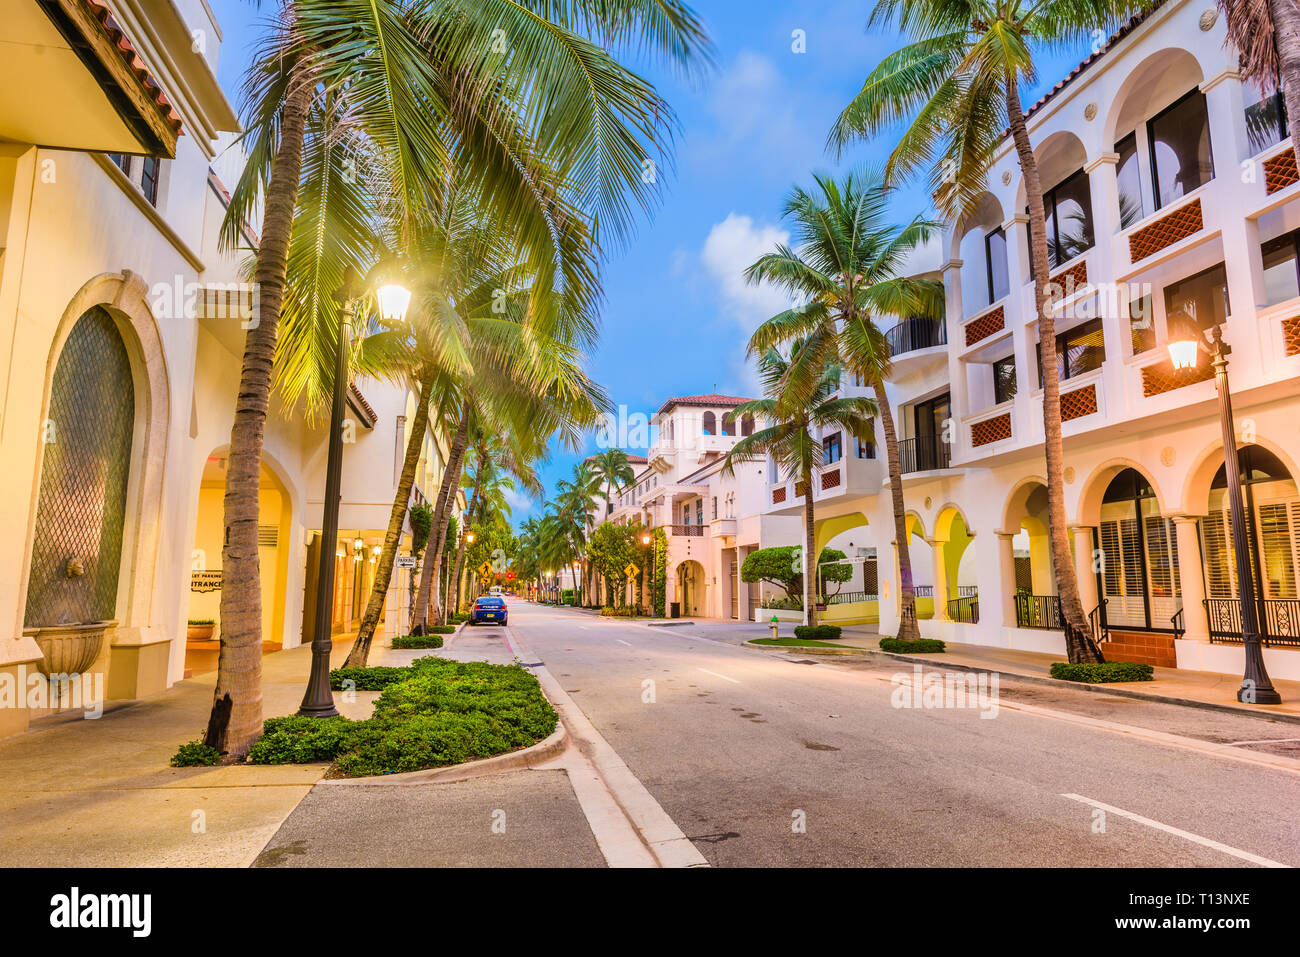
<point x="1279" y="620"/>
<point x="923" y="453"/>
<point x="689" y="530"/>
<point x="847" y="598"/>
<point x="965" y="608"/>
<point x="1039" y="611"/>
<point x="914" y="333"/>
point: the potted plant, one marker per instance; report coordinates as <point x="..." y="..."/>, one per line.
<point x="200" y="629"/>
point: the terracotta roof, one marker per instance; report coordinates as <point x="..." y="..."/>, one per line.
<point x="358" y="402"/>
<point x="215" y="182"/>
<point x="132" y="59"/>
<point x="1128" y="27"/>
<point x="631" y="459"/>
<point x="711" y="398"/>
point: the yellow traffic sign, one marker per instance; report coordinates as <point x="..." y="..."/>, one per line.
<point x="631" y="571"/>
<point x="485" y="570"/>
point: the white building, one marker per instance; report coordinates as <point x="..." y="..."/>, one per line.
<point x="1170" y="190"/>
<point x="121" y="360"/>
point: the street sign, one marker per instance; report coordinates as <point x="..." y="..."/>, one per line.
<point x="631" y="571"/>
<point x="405" y="561"/>
<point x="485" y="570"/>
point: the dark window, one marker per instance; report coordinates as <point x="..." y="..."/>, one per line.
<point x="1068" y="207"/>
<point x="699" y="511"/>
<point x="149" y="179"/>
<point x="1078" y="350"/>
<point x="866" y="448"/>
<point x="1180" y="148"/>
<point x="1129" y="181"/>
<point x="728" y="424"/>
<point x="1141" y="327"/>
<point x="747" y="425"/>
<point x="995" y="256"/>
<point x="122" y="161"/>
<point x="1202" y="298"/>
<point x="931" y="416"/>
<point x="710" y="423"/>
<point x="831" y="450"/>
<point x="1004" y="379"/>
<point x="715" y="508"/>
<point x="1265" y="118"/>
<point x="1281" y="276"/>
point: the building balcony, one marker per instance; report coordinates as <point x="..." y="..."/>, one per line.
<point x="923" y="453"/>
<point x="684" y="531"/>
<point x="836" y="480"/>
<point x="915" y="343"/>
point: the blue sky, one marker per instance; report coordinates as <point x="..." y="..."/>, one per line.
<point x="677" y="312"/>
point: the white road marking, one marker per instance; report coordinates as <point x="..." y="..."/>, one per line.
<point x="1233" y="744"/>
<point x="622" y="642"/>
<point x="1178" y="832"/>
<point x="716" y="675"/>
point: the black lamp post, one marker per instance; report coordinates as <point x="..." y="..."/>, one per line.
<point x="1185" y="341"/>
<point x="392" y="301"/>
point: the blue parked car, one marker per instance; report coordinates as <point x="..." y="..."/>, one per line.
<point x="489" y="608"/>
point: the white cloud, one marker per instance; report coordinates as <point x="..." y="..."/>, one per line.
<point x="520" y="503"/>
<point x="732" y="246"/>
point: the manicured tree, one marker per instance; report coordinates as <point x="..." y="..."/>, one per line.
<point x="958" y="86"/>
<point x="781" y="565"/>
<point x="844" y="271"/>
<point x="796" y="408"/>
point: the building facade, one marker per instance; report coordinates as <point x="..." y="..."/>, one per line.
<point x="124" y="328"/>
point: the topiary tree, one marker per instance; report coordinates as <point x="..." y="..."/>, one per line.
<point x="782" y="565"/>
<point x="610" y="550"/>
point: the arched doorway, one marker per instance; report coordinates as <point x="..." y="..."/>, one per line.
<point x="1138" y="577"/>
<point x="1272" y="506"/>
<point x="690" y="583"/>
<point x="1033" y="582"/>
<point x="77" y="542"/>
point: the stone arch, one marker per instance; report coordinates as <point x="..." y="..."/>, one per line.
<point x="123" y="296"/>
<point x="1059" y="155"/>
<point x="1017" y="500"/>
<point x="1088" y="511"/>
<point x="1150" y="86"/>
<point x="1195" y="494"/>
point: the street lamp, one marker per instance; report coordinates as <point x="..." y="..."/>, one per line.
<point x="392" y="301"/>
<point x="1186" y="339"/>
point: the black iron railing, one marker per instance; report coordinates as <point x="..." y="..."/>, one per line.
<point x="965" y="609"/>
<point x="923" y="453"/>
<point x="1178" y="623"/>
<point x="1097" y="620"/>
<point x="847" y="598"/>
<point x="690" y="530"/>
<point x="1038" y="611"/>
<point x="912" y="334"/>
<point x="1279" y="620"/>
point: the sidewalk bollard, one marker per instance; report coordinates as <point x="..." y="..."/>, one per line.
<point x="774" y="619"/>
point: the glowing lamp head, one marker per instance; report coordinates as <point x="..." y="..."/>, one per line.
<point x="645" y="538"/>
<point x="469" y="537"/>
<point x="1182" y="352"/>
<point x="393" y="300"/>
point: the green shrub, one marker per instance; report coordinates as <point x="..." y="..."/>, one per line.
<point x="441" y="629"/>
<point x="609" y="611"/>
<point x="419" y="641"/>
<point x="195" y="754"/>
<point x="457" y="618"/>
<point x="202" y="621"/>
<point x="1103" y="673"/>
<point x="921" y="646"/>
<point x="817" y="632"/>
<point x="433" y="713"/>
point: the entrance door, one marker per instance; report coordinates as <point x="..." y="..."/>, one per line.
<point x="735" y="589"/>
<point x="1139" y="574"/>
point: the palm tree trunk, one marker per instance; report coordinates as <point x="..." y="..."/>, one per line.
<point x="236" y="718"/>
<point x="384" y="571"/>
<point x="433" y="551"/>
<point x="454" y="604"/>
<point x="1286" y="34"/>
<point x="809" y="552"/>
<point x="908" y="630"/>
<point x="1079" y="643"/>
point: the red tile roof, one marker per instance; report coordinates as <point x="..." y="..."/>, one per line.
<point x="711" y="398"/>
<point x="132" y="59"/>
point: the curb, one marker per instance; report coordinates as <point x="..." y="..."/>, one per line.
<point x="669" y="623"/>
<point x="1110" y="689"/>
<point x="541" y="752"/>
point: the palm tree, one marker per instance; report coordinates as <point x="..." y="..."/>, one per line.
<point x="613" y="470"/>
<point x="795" y="407"/>
<point x="572" y="516"/>
<point x="1266" y="34"/>
<point x="959" y="84"/>
<point x="429" y="89"/>
<point x="843" y="271"/>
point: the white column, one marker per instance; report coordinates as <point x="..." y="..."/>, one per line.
<point x="1006" y="579"/>
<point x="940" y="578"/>
<point x="1191" y="578"/>
<point x="1083" y="572"/>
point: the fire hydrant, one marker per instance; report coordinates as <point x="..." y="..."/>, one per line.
<point x="774" y="620"/>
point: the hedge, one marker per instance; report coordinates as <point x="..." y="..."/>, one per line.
<point x="433" y="713"/>
<point x="418" y="641"/>
<point x="921" y="646"/>
<point x="609" y="611"/>
<point x="817" y="632"/>
<point x="1110" y="671"/>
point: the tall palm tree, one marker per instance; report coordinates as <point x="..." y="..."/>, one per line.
<point x="572" y="516"/>
<point x="796" y="406"/>
<point x="1266" y="34"/>
<point x="428" y="86"/>
<point x="613" y="470"/>
<point x="958" y="86"/>
<point x="844" y="270"/>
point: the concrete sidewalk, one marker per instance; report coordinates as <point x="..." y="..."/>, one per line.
<point x="1199" y="688"/>
<point x="100" y="793"/>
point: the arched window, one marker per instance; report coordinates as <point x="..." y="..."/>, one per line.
<point x="1272" y="506"/>
<point x="710" y="423"/>
<point x="747" y="425"/>
<point x="728" y="423"/>
<point x="1140" y="574"/>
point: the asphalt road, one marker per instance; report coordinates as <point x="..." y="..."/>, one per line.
<point x="771" y="759"/>
<point x="764" y="758"/>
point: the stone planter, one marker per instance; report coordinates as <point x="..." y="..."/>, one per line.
<point x="69" y="649"/>
<point x="199" y="632"/>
